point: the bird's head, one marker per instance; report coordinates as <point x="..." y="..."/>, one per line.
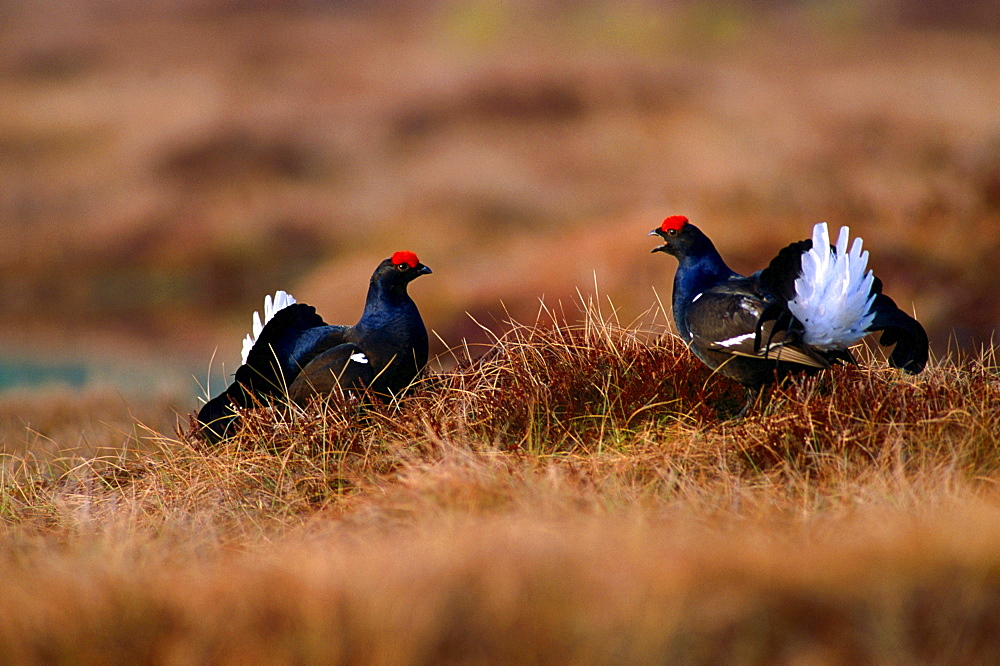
<point x="400" y="269"/>
<point x="677" y="234"/>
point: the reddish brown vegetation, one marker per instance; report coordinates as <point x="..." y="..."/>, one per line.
<point x="571" y="496"/>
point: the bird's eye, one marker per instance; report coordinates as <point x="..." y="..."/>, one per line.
<point x="671" y="232"/>
<point x="402" y="267"/>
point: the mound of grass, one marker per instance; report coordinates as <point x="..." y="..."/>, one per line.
<point x="575" y="494"/>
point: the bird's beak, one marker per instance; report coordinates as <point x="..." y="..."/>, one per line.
<point x="658" y="248"/>
<point x="424" y="270"/>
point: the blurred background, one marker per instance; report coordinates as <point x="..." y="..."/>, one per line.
<point x="162" y="169"/>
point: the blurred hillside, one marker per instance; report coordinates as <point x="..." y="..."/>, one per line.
<point x="161" y="170"/>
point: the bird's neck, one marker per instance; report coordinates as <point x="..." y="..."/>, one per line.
<point x="386" y="305"/>
<point x="391" y="328"/>
<point x="698" y="270"/>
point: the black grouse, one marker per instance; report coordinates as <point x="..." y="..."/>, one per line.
<point x="294" y="353"/>
<point x="800" y="314"/>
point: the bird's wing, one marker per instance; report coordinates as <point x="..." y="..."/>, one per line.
<point x="292" y="337"/>
<point x="725" y="319"/>
<point x="337" y="369"/>
<point x="318" y="341"/>
<point x="285" y="344"/>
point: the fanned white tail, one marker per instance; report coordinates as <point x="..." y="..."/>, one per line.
<point x="281" y="301"/>
<point x="833" y="294"/>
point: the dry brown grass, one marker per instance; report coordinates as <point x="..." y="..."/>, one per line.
<point x="572" y="495"/>
<point x="64" y="421"/>
<point x="884" y="587"/>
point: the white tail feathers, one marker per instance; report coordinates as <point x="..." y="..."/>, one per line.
<point x="281" y="301"/>
<point x="833" y="294"/>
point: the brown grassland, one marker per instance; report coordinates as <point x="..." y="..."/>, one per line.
<point x="570" y="496"/>
<point x="565" y="484"/>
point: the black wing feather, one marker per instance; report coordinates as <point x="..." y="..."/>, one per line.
<point x="727" y="319"/>
<point x="721" y="314"/>
<point x="278" y="355"/>
<point x="334" y="371"/>
<point x="292" y="336"/>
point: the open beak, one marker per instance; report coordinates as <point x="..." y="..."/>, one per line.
<point x="658" y="248"/>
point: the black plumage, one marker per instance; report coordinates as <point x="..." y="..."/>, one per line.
<point x="298" y="355"/>
<point x="743" y="327"/>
